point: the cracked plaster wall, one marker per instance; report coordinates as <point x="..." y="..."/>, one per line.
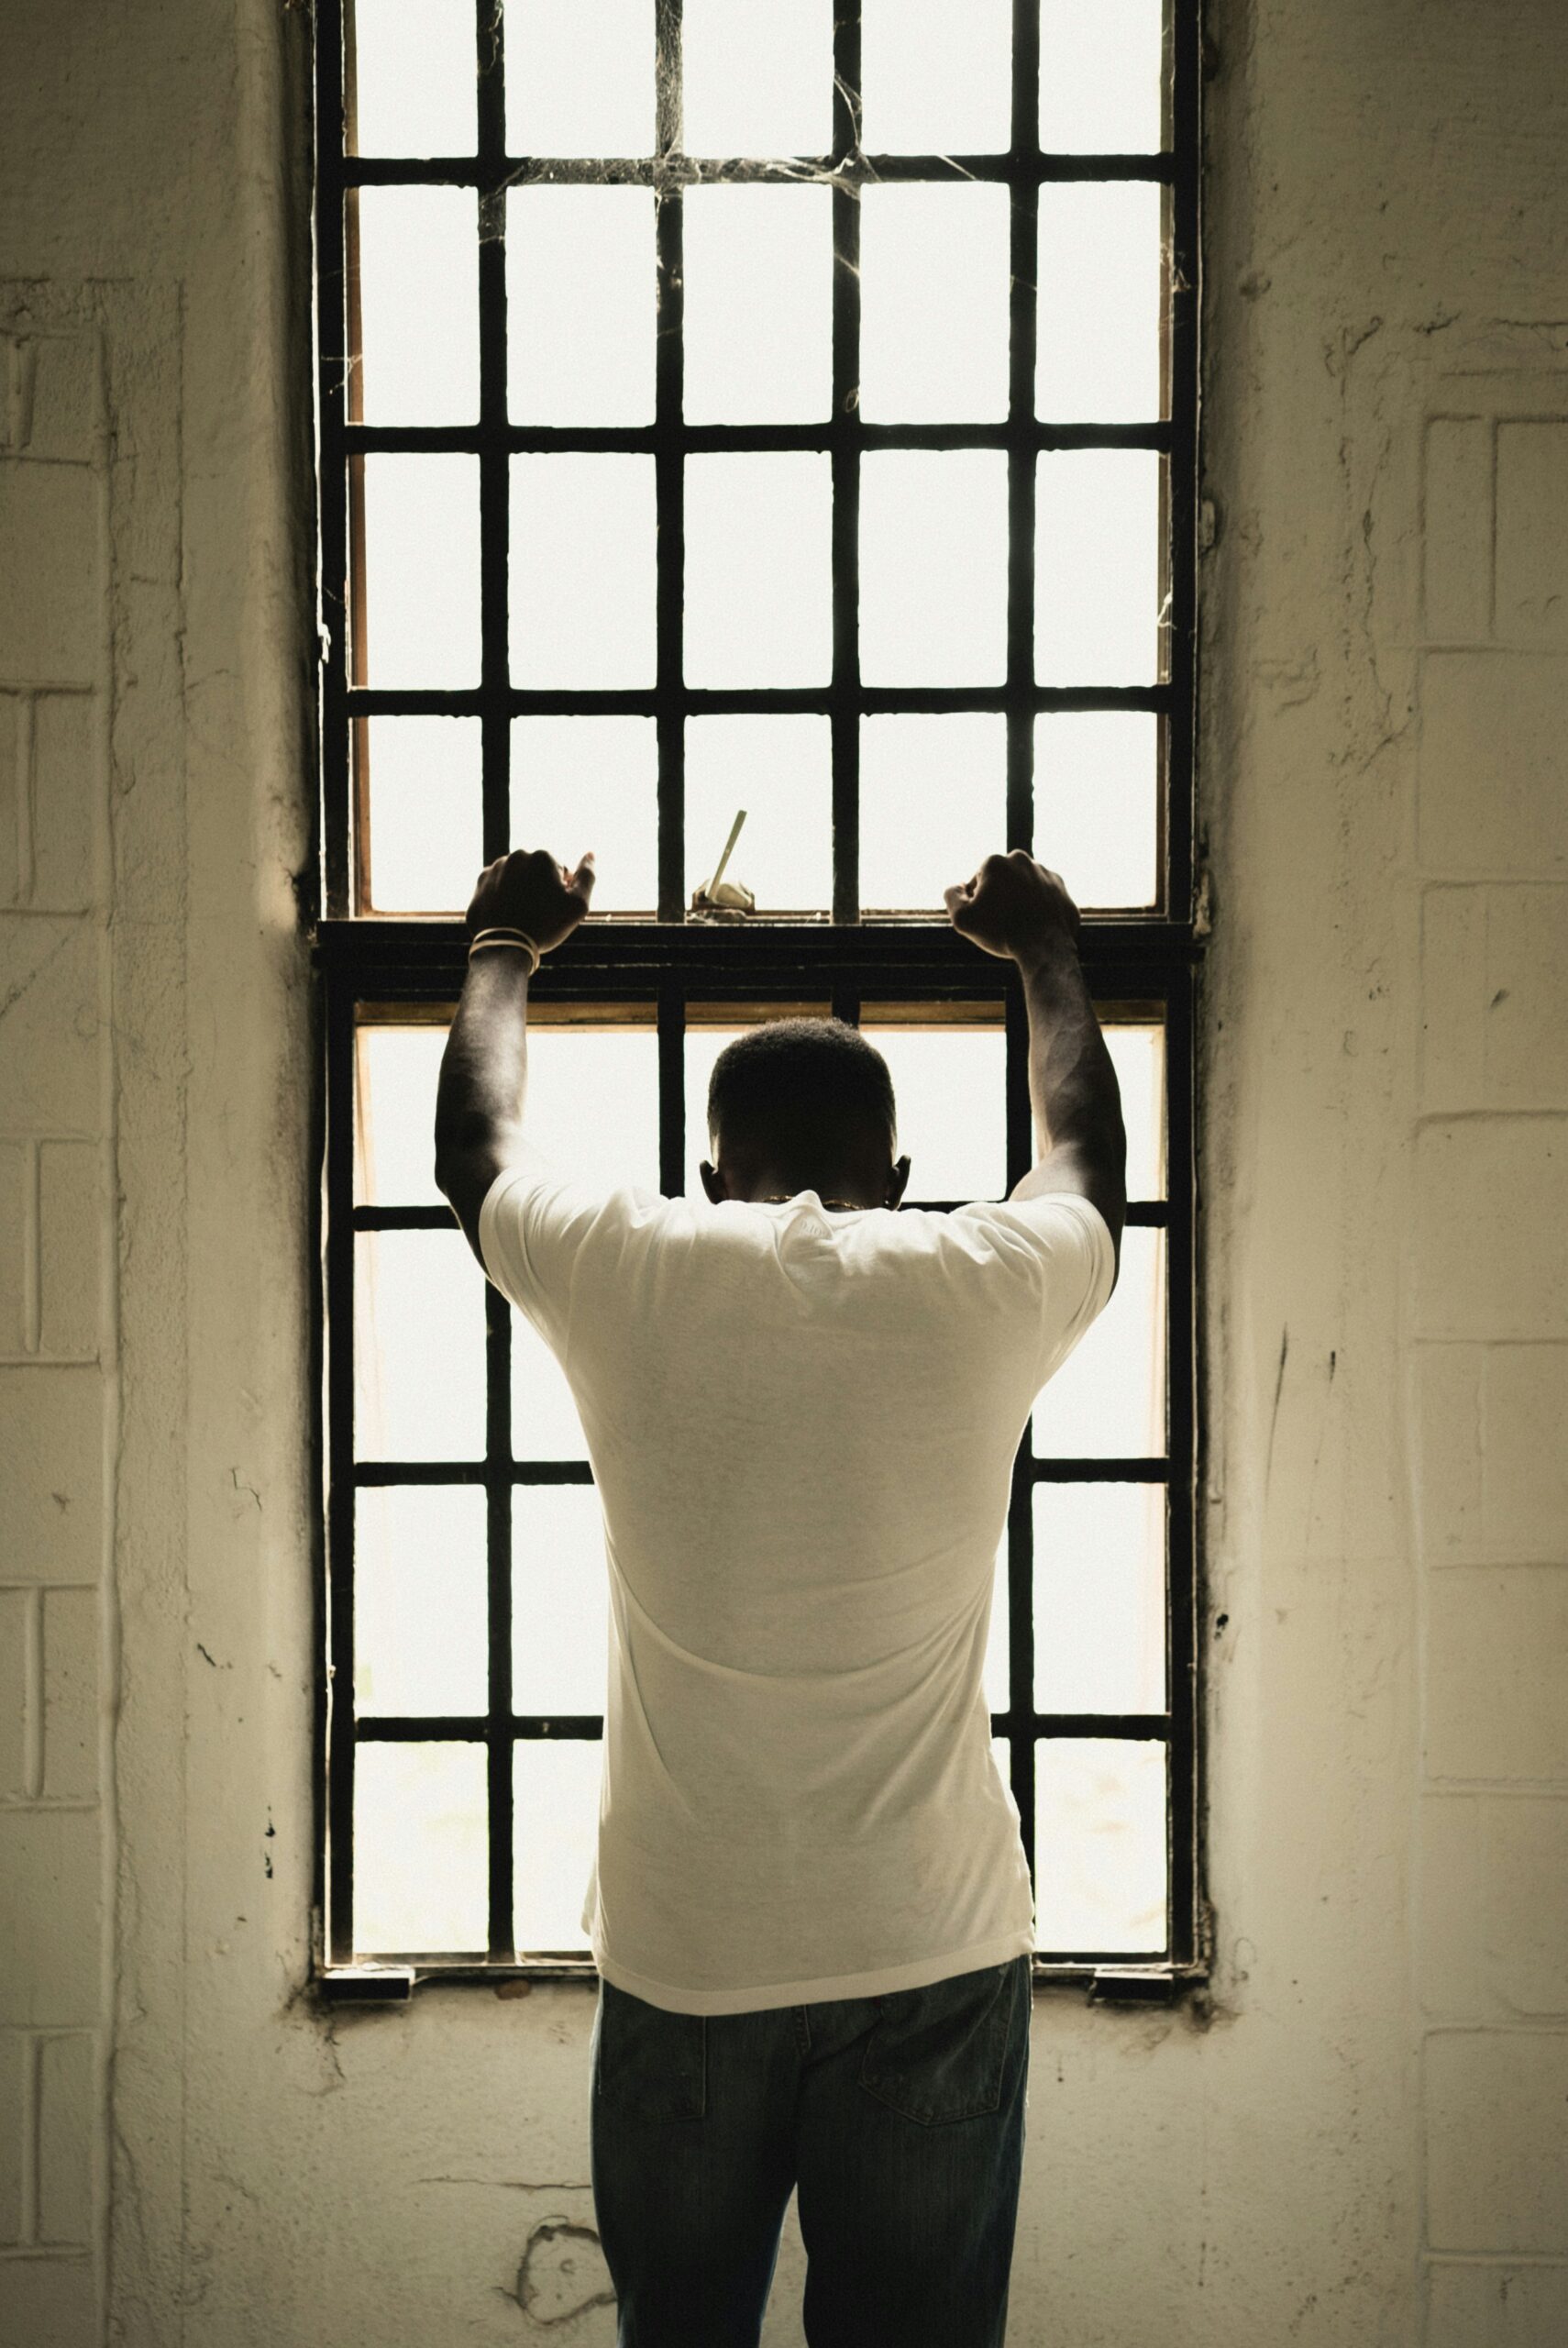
<point x="1364" y="2139"/>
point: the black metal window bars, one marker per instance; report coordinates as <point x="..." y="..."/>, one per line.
<point x="1146" y="963"/>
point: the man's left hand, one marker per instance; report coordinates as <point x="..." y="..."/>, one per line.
<point x="529" y="890"/>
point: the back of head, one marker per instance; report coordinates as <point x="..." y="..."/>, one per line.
<point x="810" y="1100"/>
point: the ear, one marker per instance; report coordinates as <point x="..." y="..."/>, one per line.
<point x="897" y="1181"/>
<point x="713" y="1182"/>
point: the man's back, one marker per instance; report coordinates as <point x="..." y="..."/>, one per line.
<point x="802" y="1425"/>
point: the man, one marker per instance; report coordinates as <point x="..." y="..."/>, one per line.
<point x="810" y="1909"/>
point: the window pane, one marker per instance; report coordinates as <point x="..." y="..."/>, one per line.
<point x="932" y="805"/>
<point x="934" y="567"/>
<point x="581" y="294"/>
<point x="545" y="1423"/>
<point x="418" y="1346"/>
<point x="1100" y="77"/>
<point x="561" y="1600"/>
<point x="1099" y="1846"/>
<point x="1138" y="1056"/>
<point x="999" y="1646"/>
<point x="592" y="783"/>
<point x="420" y="596"/>
<point x="1101" y="296"/>
<point x="413" y="78"/>
<point x="1097" y="779"/>
<point x="1108" y="1400"/>
<point x="593" y="1103"/>
<point x="581" y="571"/>
<point x="419" y="305"/>
<point x="580" y="81"/>
<point x="421" y="1605"/>
<point x="933" y="291"/>
<point x="1097" y="552"/>
<point x="395" y="1138"/>
<point x="421" y="1868"/>
<point x="758" y="76"/>
<point x="426" y="812"/>
<point x="556" y="1785"/>
<point x="758" y="276"/>
<point x="780" y="771"/>
<point x="949" y="1085"/>
<point x="1100" y="1597"/>
<point x="759" y="583"/>
<point x="936" y="79"/>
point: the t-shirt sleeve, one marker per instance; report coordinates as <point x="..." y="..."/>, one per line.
<point x="1058" y="1247"/>
<point x="533" y="1227"/>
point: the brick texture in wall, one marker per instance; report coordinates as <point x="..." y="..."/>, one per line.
<point x="1488" y="1322"/>
<point x="55" y="1241"/>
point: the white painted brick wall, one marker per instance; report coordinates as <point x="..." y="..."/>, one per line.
<point x="1489" y="1369"/>
<point x="55" y="1227"/>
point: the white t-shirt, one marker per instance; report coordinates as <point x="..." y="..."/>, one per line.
<point x="802" y="1425"/>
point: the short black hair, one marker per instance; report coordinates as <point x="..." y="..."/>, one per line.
<point x="792" y="1086"/>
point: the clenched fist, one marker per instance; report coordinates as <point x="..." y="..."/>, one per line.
<point x="529" y="890"/>
<point x="1015" y="908"/>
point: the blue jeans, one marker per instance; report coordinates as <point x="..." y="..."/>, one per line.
<point x="899" y="2118"/>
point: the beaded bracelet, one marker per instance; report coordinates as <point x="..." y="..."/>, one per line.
<point x="487" y="937"/>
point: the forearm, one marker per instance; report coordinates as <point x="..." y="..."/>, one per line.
<point x="1071" y="1080"/>
<point x="479" y="1097"/>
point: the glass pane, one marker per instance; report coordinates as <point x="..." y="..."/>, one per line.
<point x="1099" y="1846"/>
<point x="556" y="1796"/>
<point x="758" y="76"/>
<point x="934" y="567"/>
<point x="592" y="783"/>
<point x="1108" y="1400"/>
<point x="932" y="805"/>
<point x="421" y="1866"/>
<point x="1100" y="1597"/>
<point x="1101" y="82"/>
<point x="419" y="600"/>
<point x="936" y="79"/>
<point x="419" y="305"/>
<point x="1138" y="1055"/>
<point x="414" y="79"/>
<point x="703" y="1045"/>
<point x="949" y="1085"/>
<point x="581" y="294"/>
<point x="780" y="771"/>
<point x="395" y="1136"/>
<point x="421" y="1608"/>
<point x="757" y="275"/>
<point x="580" y="81"/>
<point x="544" y="1422"/>
<point x="1097" y="779"/>
<point x="427" y="811"/>
<point x="593" y="1103"/>
<point x="999" y="1644"/>
<point x="759" y="582"/>
<point x="1102" y="297"/>
<point x="418" y="1346"/>
<point x="561" y="1600"/>
<point x="1097" y="576"/>
<point x="581" y="571"/>
<point x="933" y="292"/>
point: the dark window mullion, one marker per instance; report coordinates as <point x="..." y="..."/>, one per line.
<point x="846" y="443"/>
<point x="669" y="374"/>
<point x="494" y="522"/>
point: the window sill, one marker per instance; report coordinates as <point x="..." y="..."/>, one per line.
<point x="394" y="1985"/>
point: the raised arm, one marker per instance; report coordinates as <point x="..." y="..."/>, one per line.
<point x="1016" y="908"/>
<point x="479" y="1098"/>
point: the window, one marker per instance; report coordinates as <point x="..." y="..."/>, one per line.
<point x="794" y="408"/>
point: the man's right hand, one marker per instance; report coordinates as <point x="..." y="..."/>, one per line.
<point x="1015" y="908"/>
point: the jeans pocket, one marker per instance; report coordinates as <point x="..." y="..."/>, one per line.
<point x="648" y="2064"/>
<point x="937" y="2054"/>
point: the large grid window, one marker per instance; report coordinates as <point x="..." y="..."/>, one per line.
<point x="790" y="408"/>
